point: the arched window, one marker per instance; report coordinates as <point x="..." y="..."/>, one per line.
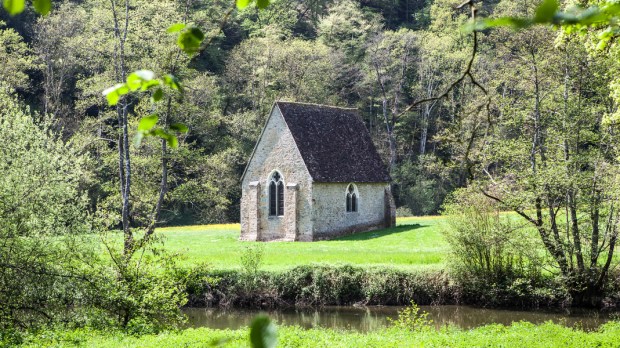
<point x="276" y="195"/>
<point x="351" y="199"/>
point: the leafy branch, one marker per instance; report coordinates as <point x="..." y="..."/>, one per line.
<point x="15" y="7"/>
<point x="575" y="19"/>
<point x="189" y="40"/>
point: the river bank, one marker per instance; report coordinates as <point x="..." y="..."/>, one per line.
<point x="517" y="335"/>
<point x="347" y="285"/>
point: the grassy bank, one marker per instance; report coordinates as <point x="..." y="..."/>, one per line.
<point x="416" y="243"/>
<point x="517" y="335"/>
<point x="322" y="285"/>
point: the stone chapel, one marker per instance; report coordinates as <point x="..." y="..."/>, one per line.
<point x="314" y="174"/>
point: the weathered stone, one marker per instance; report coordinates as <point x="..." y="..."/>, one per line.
<point x="312" y="210"/>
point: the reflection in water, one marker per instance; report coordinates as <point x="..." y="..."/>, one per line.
<point x="372" y="318"/>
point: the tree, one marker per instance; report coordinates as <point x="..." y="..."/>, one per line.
<point x="43" y="218"/>
<point x="16" y="60"/>
<point x="389" y="67"/>
<point x="550" y="153"/>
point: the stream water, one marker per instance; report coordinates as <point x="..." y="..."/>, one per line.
<point x="372" y="318"/>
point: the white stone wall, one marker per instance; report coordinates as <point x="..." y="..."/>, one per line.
<point x="277" y="150"/>
<point x="330" y="216"/>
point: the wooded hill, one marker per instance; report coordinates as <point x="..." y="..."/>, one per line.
<point x="377" y="55"/>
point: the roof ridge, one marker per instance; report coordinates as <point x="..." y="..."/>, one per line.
<point x="315" y="104"/>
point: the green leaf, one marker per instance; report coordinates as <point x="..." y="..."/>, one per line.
<point x="173" y="82"/>
<point x="113" y="94"/>
<point x="158" y="95"/>
<point x="172" y="141"/>
<point x="566" y="18"/>
<point x="149" y="84"/>
<point x="189" y="40"/>
<point x="179" y="127"/>
<point x="546" y="11"/>
<point x="263" y="333"/>
<point x="147" y="123"/>
<point x="241" y="4"/>
<point x="14" y="7"/>
<point x="262" y="3"/>
<point x="137" y="78"/>
<point x="176" y="27"/>
<point x="42" y="7"/>
<point x="513" y="22"/>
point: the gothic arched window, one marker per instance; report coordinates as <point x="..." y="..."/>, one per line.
<point x="351" y="199"/>
<point x="276" y="195"/>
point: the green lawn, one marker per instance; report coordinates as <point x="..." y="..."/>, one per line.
<point x="415" y="243"/>
<point x="517" y="335"/>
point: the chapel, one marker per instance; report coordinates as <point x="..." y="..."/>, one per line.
<point x="314" y="174"/>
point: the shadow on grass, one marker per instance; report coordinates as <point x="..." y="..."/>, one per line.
<point x="379" y="233"/>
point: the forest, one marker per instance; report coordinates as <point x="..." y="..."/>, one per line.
<point x="510" y="105"/>
<point x="377" y="56"/>
<point x="374" y="56"/>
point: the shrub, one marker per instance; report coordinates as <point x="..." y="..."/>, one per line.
<point x="252" y="258"/>
<point x="142" y="294"/>
<point x="43" y="219"/>
<point x="412" y="318"/>
<point x="486" y="245"/>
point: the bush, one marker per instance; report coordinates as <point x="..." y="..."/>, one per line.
<point x="320" y="285"/>
<point x="413" y="319"/>
<point x="486" y="245"/>
<point x="43" y="220"/>
<point x="142" y="294"/>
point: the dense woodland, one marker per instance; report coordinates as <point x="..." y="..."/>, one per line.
<point x="377" y="56"/>
<point x="517" y="120"/>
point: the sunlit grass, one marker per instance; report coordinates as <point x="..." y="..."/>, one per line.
<point x="415" y="243"/>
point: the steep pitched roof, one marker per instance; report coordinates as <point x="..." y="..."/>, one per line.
<point x="334" y="143"/>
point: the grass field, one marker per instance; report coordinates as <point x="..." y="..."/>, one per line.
<point x="520" y="334"/>
<point x="416" y="243"/>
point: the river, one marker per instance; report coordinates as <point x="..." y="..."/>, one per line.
<point x="366" y="319"/>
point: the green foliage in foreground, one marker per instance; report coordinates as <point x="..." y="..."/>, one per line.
<point x="520" y="334"/>
<point x="417" y="243"/>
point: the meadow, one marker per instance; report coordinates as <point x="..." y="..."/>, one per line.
<point x="415" y="243"/>
<point x="521" y="334"/>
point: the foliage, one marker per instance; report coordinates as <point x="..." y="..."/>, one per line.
<point x="410" y="318"/>
<point x="516" y="335"/>
<point x="603" y="17"/>
<point x="487" y="246"/>
<point x="263" y="333"/>
<point x="43" y="220"/>
<point x="341" y="285"/>
<point x="348" y="28"/>
<point x="141" y="295"/>
<point x="252" y="259"/>
<point x="14" y="7"/>
<point x="423" y="185"/>
<point x="16" y="59"/>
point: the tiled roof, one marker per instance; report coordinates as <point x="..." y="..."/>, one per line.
<point x="334" y="143"/>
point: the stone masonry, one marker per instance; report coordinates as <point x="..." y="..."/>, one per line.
<point x="313" y="210"/>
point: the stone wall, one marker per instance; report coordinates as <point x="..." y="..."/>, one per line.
<point x="330" y="216"/>
<point x="276" y="150"/>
